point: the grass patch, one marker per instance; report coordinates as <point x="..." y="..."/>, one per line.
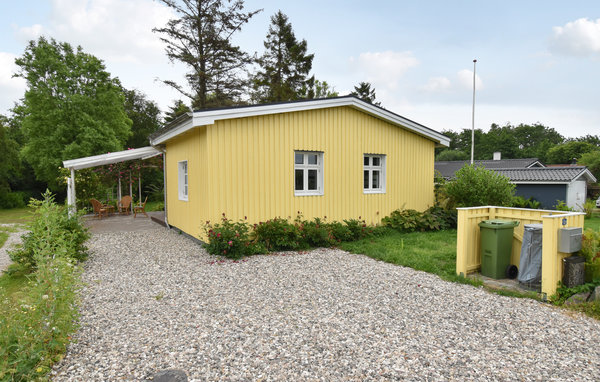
<point x="4" y="232"/>
<point x="16" y="215"/>
<point x="433" y="252"/>
<point x="593" y="222"/>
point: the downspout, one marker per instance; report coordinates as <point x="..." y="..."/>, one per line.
<point x="165" y="183"/>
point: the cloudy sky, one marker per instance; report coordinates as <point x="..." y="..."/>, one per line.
<point x="538" y="61"/>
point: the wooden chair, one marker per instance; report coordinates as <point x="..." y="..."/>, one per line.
<point x="125" y="205"/>
<point x="99" y="209"/>
<point x="140" y="208"/>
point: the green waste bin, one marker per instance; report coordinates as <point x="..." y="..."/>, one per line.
<point x="496" y="246"/>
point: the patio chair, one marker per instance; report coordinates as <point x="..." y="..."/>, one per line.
<point x="125" y="205"/>
<point x="140" y="208"/>
<point x="99" y="209"/>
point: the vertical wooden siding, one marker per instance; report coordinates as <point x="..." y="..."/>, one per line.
<point x="251" y="166"/>
<point x="468" y="249"/>
<point x="185" y="214"/>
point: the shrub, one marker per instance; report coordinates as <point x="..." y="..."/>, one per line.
<point x="35" y="330"/>
<point x="521" y="202"/>
<point x="562" y="206"/>
<point x="52" y="233"/>
<point x="230" y="239"/>
<point x="477" y="186"/>
<point x="10" y="199"/>
<point x="316" y="233"/>
<point x="590" y="246"/>
<point x="447" y="218"/>
<point x="278" y="234"/>
<point x="588" y="208"/>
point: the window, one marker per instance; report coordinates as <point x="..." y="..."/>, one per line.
<point x="374" y="174"/>
<point x="308" y="173"/>
<point x="183" y="180"/>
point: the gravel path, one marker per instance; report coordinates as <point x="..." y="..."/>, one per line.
<point x="156" y="301"/>
<point x="14" y="238"/>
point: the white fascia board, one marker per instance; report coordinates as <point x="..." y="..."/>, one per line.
<point x="108" y="158"/>
<point x="588" y="174"/>
<point x="203" y="118"/>
<point x="538" y="182"/>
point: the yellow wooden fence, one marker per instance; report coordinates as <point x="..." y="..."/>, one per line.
<point x="468" y="254"/>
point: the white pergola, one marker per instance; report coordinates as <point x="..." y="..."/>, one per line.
<point x="100" y="160"/>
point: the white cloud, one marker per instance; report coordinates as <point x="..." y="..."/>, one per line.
<point x="437" y="84"/>
<point x="384" y="69"/>
<point x="116" y="30"/>
<point x="11" y="89"/>
<point x="465" y="79"/>
<point x="580" y="37"/>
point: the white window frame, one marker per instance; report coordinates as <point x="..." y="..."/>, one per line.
<point x="182" y="179"/>
<point x="370" y="168"/>
<point x="305" y="167"/>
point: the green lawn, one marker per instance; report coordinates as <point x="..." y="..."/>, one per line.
<point x="593" y="223"/>
<point x="15" y="215"/>
<point x="433" y="252"/>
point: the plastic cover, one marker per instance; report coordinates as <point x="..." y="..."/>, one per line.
<point x="530" y="266"/>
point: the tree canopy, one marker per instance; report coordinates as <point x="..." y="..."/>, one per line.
<point x="284" y="66"/>
<point x="145" y="117"/>
<point x="569" y="151"/>
<point x="201" y="39"/>
<point x="364" y="91"/>
<point x="72" y="107"/>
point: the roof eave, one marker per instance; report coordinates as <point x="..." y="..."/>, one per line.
<point x="203" y="118"/>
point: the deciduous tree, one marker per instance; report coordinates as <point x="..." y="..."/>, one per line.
<point x="145" y="117"/>
<point x="72" y="107"/>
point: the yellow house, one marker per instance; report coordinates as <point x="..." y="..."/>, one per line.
<point x="338" y="158"/>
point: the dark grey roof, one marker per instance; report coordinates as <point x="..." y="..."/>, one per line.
<point x="448" y="168"/>
<point x="546" y="174"/>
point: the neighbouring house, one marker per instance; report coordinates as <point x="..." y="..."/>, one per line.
<point x="447" y="168"/>
<point x="548" y="185"/>
<point x="337" y="158"/>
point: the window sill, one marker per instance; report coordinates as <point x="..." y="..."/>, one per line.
<point x="373" y="191"/>
<point x="317" y="193"/>
<point x="183" y="199"/>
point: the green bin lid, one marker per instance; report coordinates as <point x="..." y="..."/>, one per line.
<point x="499" y="223"/>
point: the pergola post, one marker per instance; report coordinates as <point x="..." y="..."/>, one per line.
<point x="71" y="196"/>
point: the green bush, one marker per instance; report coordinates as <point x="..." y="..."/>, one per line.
<point x="278" y="234"/>
<point x="52" y="232"/>
<point x="316" y="233"/>
<point x="230" y="239"/>
<point x="521" y="202"/>
<point x="10" y="199"/>
<point x="433" y="219"/>
<point x="562" y="206"/>
<point x="477" y="186"/>
<point x="588" y="208"/>
<point x="35" y="327"/>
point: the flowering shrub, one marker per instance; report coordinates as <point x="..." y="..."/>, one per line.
<point x="230" y="239"/>
<point x="278" y="234"/>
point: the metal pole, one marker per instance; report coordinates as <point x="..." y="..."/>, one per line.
<point x="473" y="116"/>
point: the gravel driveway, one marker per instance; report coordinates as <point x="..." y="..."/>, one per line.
<point x="155" y="300"/>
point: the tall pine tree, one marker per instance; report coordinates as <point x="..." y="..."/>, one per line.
<point x="201" y="38"/>
<point x="366" y="93"/>
<point x="284" y="67"/>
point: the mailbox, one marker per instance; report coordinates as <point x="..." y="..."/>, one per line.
<point x="569" y="239"/>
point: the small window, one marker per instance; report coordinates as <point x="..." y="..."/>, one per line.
<point x="374" y="174"/>
<point x="183" y="180"/>
<point x="308" y="173"/>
